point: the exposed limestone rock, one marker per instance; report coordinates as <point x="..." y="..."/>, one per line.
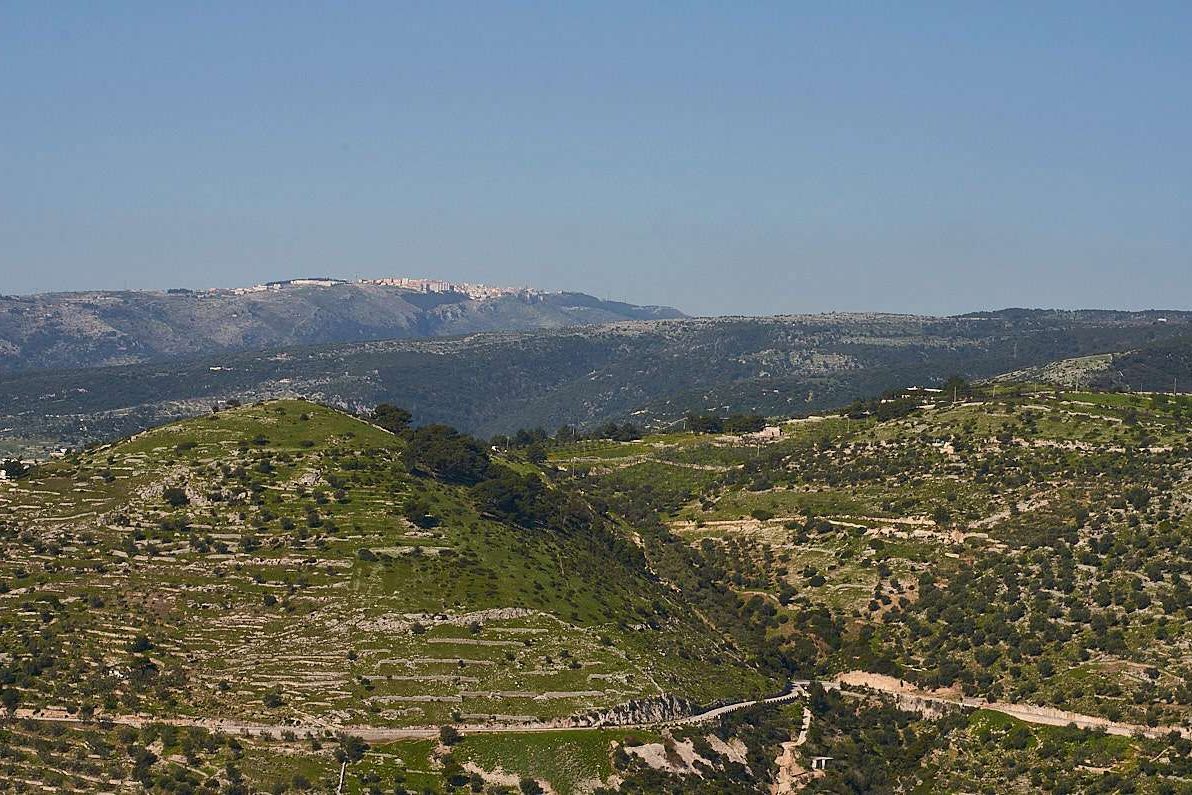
<point x="654" y="709"/>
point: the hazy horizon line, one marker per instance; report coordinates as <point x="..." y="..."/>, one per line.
<point x="366" y="280"/>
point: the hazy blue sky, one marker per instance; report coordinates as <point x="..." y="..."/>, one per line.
<point x="721" y="157"/>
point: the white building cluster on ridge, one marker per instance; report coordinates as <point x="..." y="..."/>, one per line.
<point x="470" y="289"/>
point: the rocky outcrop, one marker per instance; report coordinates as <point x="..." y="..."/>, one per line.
<point x="654" y="709"/>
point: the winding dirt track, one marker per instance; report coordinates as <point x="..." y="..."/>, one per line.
<point x="910" y="697"/>
<point x="907" y="696"/>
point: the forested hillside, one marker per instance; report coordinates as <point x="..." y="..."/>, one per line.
<point x="650" y="372"/>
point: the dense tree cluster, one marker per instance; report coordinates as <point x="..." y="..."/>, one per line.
<point x="391" y="418"/>
<point x="448" y="454"/>
<point x="14" y="468"/>
<point x="733" y="423"/>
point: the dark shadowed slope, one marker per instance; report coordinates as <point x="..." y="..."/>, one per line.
<point x="651" y="372"/>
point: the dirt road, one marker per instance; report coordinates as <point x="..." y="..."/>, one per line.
<point x="908" y="697"/>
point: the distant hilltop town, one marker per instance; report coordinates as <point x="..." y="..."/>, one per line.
<point x="474" y="291"/>
<point x="439" y="286"/>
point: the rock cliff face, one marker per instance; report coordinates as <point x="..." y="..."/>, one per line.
<point x="66" y="330"/>
<point x="656" y="709"/>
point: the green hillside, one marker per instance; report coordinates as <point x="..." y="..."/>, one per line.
<point x="1021" y="542"/>
<point x="1011" y="545"/>
<point x="652" y="372"/>
<point x="259" y="598"/>
<point x="260" y="565"/>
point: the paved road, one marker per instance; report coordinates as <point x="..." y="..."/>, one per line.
<point x="796" y="690"/>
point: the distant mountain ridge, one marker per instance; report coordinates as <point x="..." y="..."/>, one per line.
<point x="100" y="328"/>
<point x="650" y="372"/>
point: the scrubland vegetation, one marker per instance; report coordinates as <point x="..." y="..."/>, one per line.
<point x="253" y="600"/>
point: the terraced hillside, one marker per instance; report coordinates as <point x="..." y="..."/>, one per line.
<point x="985" y="589"/>
<point x="1016" y="547"/>
<point x="1025" y="544"/>
<point x="280" y="565"/>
